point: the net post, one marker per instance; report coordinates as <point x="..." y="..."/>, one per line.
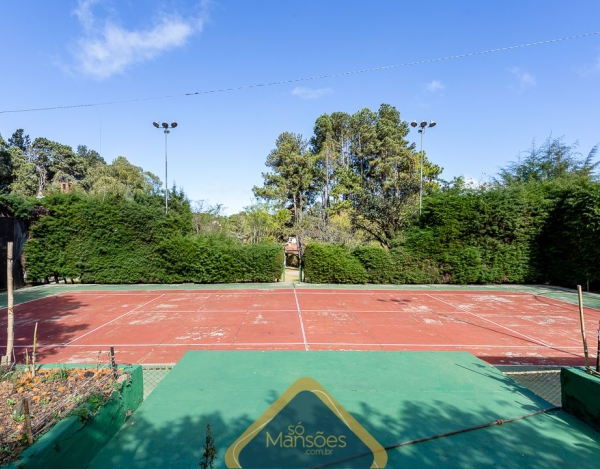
<point x="585" y="347"/>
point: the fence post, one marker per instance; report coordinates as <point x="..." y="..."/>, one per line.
<point x="10" y="328"/>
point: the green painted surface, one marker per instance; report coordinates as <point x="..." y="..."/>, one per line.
<point x="581" y="395"/>
<point x="71" y="443"/>
<point x="396" y="396"/>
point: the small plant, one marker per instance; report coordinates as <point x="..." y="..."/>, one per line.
<point x="7" y="373"/>
<point x="18" y="417"/>
<point x="10" y="402"/>
<point x="210" y="451"/>
<point x="96" y="400"/>
<point x="83" y="413"/>
<point x="61" y="373"/>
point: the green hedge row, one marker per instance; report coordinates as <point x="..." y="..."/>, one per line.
<point x="535" y="233"/>
<point x="329" y="263"/>
<point x="120" y="240"/>
<point x="210" y="259"/>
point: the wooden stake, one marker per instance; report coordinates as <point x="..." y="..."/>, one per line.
<point x="113" y="363"/>
<point x="27" y="421"/>
<point x="10" y="329"/>
<point x="33" y="354"/>
<point x="598" y="351"/>
<point x="585" y="347"/>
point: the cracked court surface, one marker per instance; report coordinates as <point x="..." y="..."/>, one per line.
<point x="156" y="326"/>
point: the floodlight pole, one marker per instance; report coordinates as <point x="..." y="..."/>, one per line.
<point x="422" y="127"/>
<point x="166" y="128"/>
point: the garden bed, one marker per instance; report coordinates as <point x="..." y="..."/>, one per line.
<point x="75" y="396"/>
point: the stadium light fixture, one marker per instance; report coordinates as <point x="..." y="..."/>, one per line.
<point x="422" y="126"/>
<point x="166" y="128"/>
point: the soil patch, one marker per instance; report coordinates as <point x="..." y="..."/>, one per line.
<point x="52" y="395"/>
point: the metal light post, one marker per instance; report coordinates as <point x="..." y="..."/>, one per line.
<point x="422" y="127"/>
<point x="166" y="128"/>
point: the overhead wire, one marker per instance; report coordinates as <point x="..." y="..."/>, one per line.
<point x="312" y="78"/>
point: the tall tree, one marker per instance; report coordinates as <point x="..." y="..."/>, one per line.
<point x="90" y="157"/>
<point x="386" y="179"/>
<point x="24" y="180"/>
<point x="552" y="160"/>
<point x="20" y="140"/>
<point x="291" y="181"/>
<point x="121" y="178"/>
<point x="6" y="167"/>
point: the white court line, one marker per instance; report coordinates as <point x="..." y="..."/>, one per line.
<point x="255" y="344"/>
<point x="113" y="320"/>
<point x="498" y="325"/>
<point x="301" y="321"/>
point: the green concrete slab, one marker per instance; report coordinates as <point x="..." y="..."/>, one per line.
<point x="396" y="397"/>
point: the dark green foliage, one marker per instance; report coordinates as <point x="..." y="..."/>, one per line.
<point x="17" y="206"/>
<point x="465" y="236"/>
<point x="412" y="269"/>
<point x="330" y="263"/>
<point x="482" y="236"/>
<point x="377" y="262"/>
<point x="217" y="259"/>
<point x="569" y="243"/>
<point x="116" y="239"/>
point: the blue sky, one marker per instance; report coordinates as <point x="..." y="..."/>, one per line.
<point x="489" y="107"/>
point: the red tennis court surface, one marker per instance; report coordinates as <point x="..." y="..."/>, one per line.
<point x="160" y="326"/>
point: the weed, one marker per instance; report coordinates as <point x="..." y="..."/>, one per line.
<point x="83" y="413"/>
<point x="210" y="451"/>
<point x="7" y="373"/>
<point x="10" y="402"/>
<point x="96" y="400"/>
<point x="60" y="374"/>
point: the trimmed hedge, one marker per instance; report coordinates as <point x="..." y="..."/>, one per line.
<point x="214" y="259"/>
<point x="331" y="263"/>
<point x="121" y="240"/>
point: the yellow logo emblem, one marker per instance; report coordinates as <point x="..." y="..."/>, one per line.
<point x="305" y="428"/>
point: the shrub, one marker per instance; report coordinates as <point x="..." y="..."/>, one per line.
<point x="377" y="262"/>
<point x="330" y="263"/>
<point x="119" y="240"/>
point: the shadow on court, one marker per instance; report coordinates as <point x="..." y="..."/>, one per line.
<point x="59" y="320"/>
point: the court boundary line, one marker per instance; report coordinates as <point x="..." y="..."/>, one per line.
<point x="301" y="321"/>
<point x="559" y="304"/>
<point x="537" y="341"/>
<point x="112" y="320"/>
<point x="221" y="344"/>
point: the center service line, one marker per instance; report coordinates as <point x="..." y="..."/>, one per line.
<point x="301" y="321"/>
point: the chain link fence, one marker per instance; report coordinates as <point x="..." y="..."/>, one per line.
<point x="544" y="383"/>
<point x="153" y="375"/>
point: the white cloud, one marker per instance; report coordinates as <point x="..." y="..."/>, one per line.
<point x="310" y="93"/>
<point x="590" y="69"/>
<point x="107" y="48"/>
<point x="525" y="80"/>
<point x="435" y="86"/>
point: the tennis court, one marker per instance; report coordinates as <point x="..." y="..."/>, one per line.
<point x="154" y="326"/>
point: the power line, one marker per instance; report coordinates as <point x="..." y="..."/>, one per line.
<point x="317" y="77"/>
